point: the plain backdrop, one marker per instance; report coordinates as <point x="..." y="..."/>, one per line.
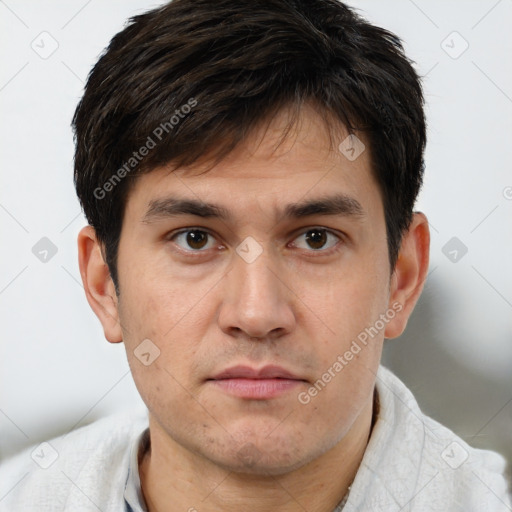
<point x="56" y="369"/>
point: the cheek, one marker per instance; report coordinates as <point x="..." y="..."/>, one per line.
<point x="163" y="323"/>
<point x="156" y="298"/>
<point x="354" y="306"/>
<point x="349" y="301"/>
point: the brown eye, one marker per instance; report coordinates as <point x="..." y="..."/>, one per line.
<point x="195" y="239"/>
<point x="317" y="239"/>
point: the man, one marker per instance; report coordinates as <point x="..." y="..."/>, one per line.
<point x="249" y="172"/>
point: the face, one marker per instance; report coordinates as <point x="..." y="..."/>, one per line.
<point x="257" y="307"/>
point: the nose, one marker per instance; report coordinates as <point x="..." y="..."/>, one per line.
<point x="256" y="300"/>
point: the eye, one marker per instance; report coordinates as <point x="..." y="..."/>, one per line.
<point x="317" y="239"/>
<point x="195" y="239"/>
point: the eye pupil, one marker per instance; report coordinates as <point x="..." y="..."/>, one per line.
<point x="196" y="239"/>
<point x="316" y="238"/>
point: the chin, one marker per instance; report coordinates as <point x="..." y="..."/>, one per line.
<point x="262" y="467"/>
<point x="266" y="458"/>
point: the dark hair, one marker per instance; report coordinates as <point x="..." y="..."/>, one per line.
<point x="195" y="77"/>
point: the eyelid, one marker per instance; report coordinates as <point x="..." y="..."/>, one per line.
<point x="339" y="236"/>
<point x="295" y="235"/>
<point x="174" y="234"/>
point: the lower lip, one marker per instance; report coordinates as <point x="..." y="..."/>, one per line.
<point x="256" y="389"/>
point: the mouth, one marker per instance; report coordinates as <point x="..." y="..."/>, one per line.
<point x="256" y="384"/>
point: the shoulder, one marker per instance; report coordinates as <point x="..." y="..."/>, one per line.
<point x="472" y="478"/>
<point x="73" y="469"/>
<point x="445" y="472"/>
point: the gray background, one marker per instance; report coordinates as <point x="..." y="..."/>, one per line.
<point x="56" y="369"/>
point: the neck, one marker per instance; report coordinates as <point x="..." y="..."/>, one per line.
<point x="174" y="479"/>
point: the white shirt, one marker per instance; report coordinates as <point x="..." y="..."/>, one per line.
<point x="411" y="464"/>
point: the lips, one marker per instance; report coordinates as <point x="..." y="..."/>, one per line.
<point x="246" y="372"/>
<point x="256" y="384"/>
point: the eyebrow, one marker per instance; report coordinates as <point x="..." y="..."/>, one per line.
<point x="338" y="204"/>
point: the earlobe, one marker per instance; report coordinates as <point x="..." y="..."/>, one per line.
<point x="409" y="275"/>
<point x="98" y="285"/>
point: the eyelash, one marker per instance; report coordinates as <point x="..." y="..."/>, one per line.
<point x="200" y="252"/>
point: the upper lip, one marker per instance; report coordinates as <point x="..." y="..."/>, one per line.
<point x="246" y="372"/>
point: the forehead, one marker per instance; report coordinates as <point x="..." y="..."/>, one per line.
<point x="276" y="165"/>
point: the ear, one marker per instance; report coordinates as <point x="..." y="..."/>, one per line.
<point x="409" y="274"/>
<point x="98" y="285"/>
